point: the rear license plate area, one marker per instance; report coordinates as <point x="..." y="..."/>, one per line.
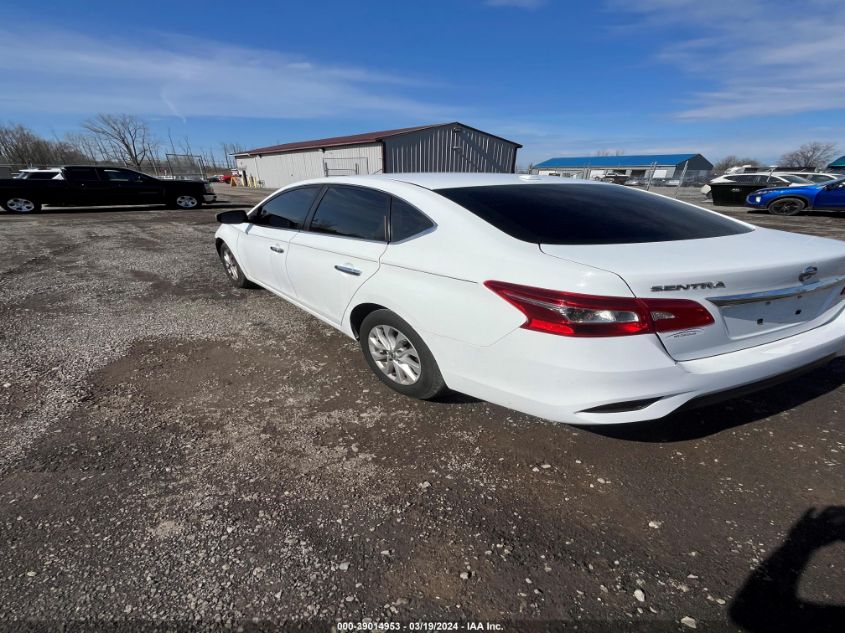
<point x="758" y="317"/>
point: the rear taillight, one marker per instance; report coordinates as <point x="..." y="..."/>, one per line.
<point x="572" y="314"/>
<point x="670" y="315"/>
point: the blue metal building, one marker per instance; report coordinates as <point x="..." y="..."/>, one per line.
<point x="656" y="166"/>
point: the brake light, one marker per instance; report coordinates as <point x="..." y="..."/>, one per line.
<point x="670" y="315"/>
<point x="573" y="314"/>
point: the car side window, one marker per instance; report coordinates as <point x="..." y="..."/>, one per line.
<point x="288" y="210"/>
<point x="352" y="212"/>
<point x="121" y="175"/>
<point x="406" y="221"/>
<point x="81" y="173"/>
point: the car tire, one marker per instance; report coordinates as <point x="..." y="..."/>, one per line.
<point x="21" y="205"/>
<point x="786" y="206"/>
<point x="386" y="341"/>
<point x="233" y="269"/>
<point x="185" y="203"/>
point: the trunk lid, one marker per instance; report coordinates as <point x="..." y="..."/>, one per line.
<point x="759" y="286"/>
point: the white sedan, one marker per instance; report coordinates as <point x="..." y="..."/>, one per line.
<point x="574" y="301"/>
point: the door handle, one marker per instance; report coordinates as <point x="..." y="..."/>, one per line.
<point x="349" y="270"/>
<point x="277" y="249"/>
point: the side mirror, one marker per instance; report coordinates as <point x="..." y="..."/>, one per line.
<point x="232" y="217"/>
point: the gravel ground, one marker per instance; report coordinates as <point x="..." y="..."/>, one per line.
<point x="176" y="453"/>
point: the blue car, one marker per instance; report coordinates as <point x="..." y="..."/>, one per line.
<point x="793" y="200"/>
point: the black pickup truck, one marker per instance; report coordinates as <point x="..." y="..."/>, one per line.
<point x="85" y="186"/>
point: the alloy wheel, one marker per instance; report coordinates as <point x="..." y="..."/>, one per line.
<point x="186" y="202"/>
<point x="787" y="207"/>
<point x="394" y="354"/>
<point x="230" y="264"/>
<point x="20" y="205"/>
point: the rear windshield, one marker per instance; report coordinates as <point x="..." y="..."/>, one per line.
<point x="589" y="214"/>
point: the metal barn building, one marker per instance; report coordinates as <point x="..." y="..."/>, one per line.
<point x="642" y="166"/>
<point x="447" y="147"/>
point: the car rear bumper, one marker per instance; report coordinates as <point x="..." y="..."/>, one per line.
<point x="622" y="379"/>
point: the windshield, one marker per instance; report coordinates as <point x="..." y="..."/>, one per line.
<point x="797" y="179"/>
<point x="589" y="214"/>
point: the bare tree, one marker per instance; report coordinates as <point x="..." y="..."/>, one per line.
<point x="812" y="155"/>
<point x="123" y="137"/>
<point x="732" y="161"/>
<point x="83" y="144"/>
<point x="21" y="146"/>
<point x="228" y="150"/>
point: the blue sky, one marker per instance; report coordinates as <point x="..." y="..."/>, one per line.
<point x="564" y="78"/>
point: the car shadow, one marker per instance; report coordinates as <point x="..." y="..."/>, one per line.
<point x="694" y="424"/>
<point x="811" y="214"/>
<point x="769" y="601"/>
<point x="129" y="209"/>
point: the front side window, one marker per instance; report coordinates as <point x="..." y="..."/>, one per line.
<point x="589" y="214"/>
<point x="406" y="221"/>
<point x="352" y="212"/>
<point x="288" y="210"/>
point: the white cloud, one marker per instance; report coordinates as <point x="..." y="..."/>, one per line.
<point x="763" y="58"/>
<point x="519" y="4"/>
<point x="69" y="73"/>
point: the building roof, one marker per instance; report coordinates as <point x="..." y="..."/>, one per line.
<point x="352" y="139"/>
<point x="642" y="160"/>
<point x="839" y="162"/>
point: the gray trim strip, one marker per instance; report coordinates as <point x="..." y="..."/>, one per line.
<point x="782" y="293"/>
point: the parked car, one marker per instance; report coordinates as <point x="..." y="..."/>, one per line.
<point x="793" y="200"/>
<point x="571" y="300"/>
<point x="86" y="186"/>
<point x="764" y="179"/>
<point x="815" y="176"/>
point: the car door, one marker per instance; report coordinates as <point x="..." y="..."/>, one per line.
<point x="263" y="248"/>
<point x="84" y="188"/>
<point x="130" y="187"/>
<point x="340" y="249"/>
<point x="831" y="197"/>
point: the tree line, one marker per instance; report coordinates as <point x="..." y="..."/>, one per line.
<point x="120" y="139"/>
<point x="812" y="156"/>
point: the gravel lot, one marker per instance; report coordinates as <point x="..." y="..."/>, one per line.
<point x="176" y="452"/>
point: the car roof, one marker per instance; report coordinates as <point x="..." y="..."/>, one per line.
<point x="452" y="180"/>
